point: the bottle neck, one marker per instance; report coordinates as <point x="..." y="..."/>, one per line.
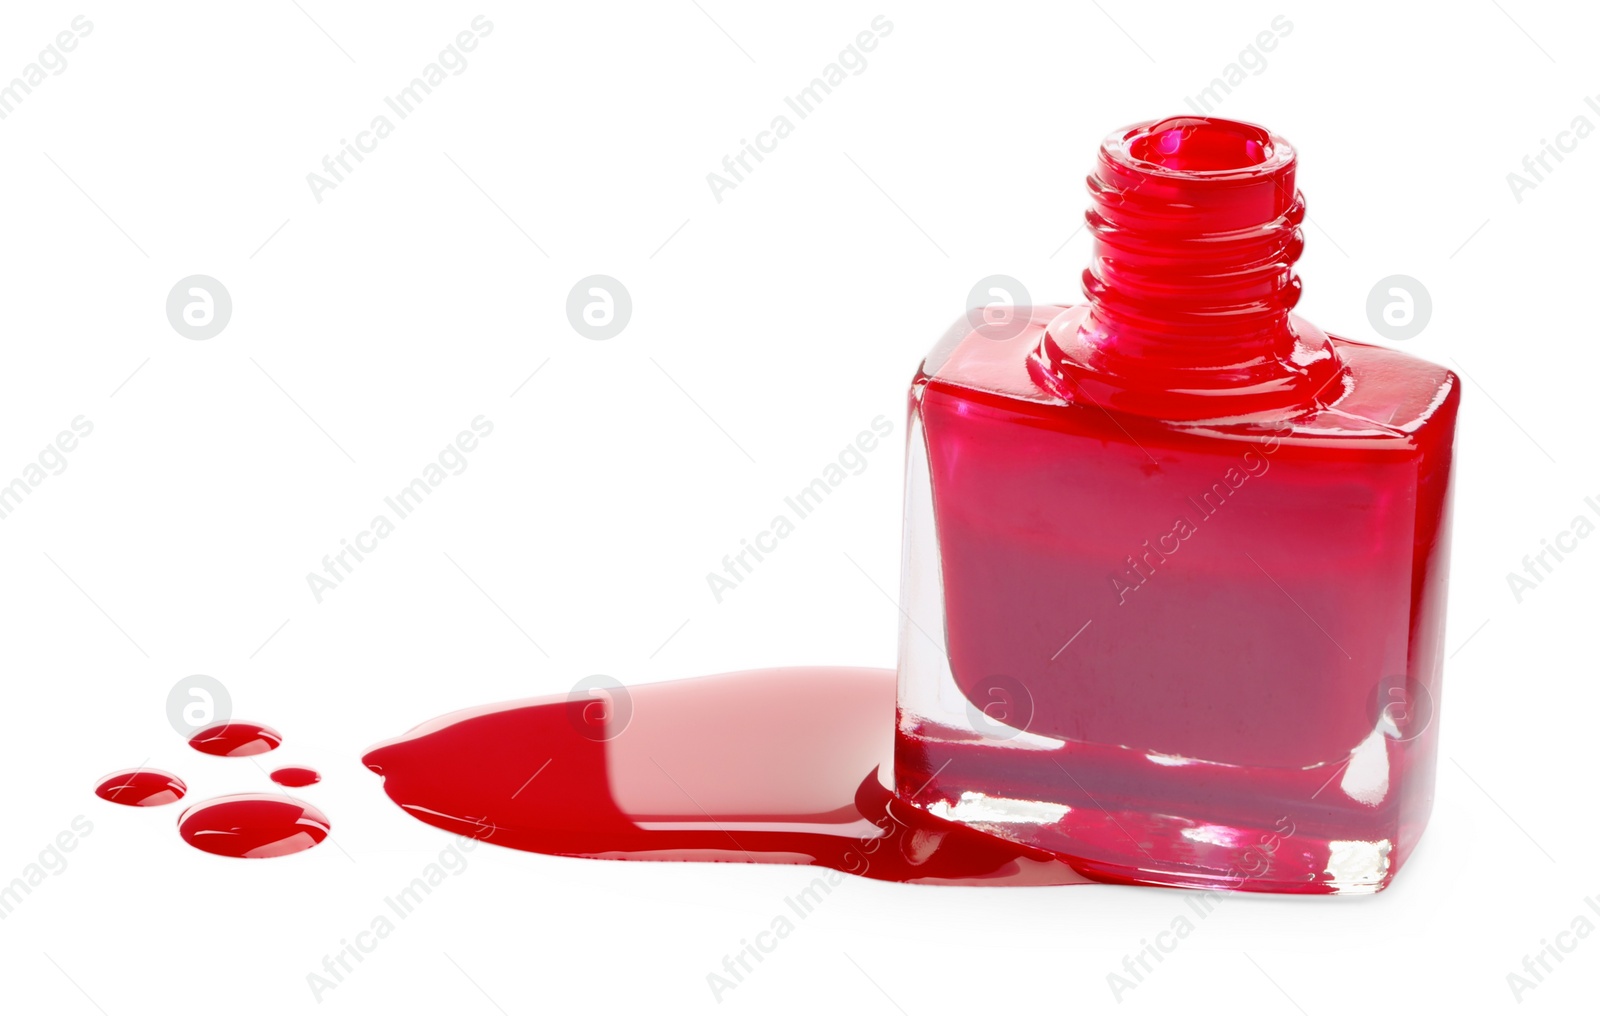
<point x="1196" y="227"/>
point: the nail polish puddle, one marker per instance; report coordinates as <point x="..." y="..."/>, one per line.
<point x="295" y="776"/>
<point x="253" y="825"/>
<point x="236" y="739"/>
<point x="141" y="788"/>
<point x="770" y="767"/>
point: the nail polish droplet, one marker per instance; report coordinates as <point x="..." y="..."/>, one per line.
<point x="295" y="776"/>
<point x="253" y="825"/>
<point x="141" y="788"/>
<point x="236" y="739"/>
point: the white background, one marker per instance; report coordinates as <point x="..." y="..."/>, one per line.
<point x="767" y="330"/>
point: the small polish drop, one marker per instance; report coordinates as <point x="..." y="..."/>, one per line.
<point x="141" y="788"/>
<point x="295" y="776"/>
<point x="253" y="825"/>
<point x="236" y="739"/>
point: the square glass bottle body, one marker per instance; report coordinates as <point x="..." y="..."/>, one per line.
<point x="1179" y="654"/>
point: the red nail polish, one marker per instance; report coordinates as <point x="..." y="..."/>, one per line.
<point x="1175" y="559"/>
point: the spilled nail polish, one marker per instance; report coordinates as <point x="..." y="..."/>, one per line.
<point x="295" y="776"/>
<point x="253" y="825"/>
<point x="141" y="788"/>
<point x="769" y="767"/>
<point x="236" y="739"/>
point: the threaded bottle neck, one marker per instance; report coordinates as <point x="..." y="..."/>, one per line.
<point x="1196" y="226"/>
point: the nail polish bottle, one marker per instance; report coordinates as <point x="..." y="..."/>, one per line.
<point x="1173" y="583"/>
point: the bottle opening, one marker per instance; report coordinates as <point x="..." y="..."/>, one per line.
<point x="1192" y="144"/>
<point x="1187" y="144"/>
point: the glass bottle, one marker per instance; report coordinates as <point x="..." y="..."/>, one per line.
<point x="1173" y="583"/>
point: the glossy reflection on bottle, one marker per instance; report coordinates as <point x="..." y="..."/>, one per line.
<point x="253" y="825"/>
<point x="141" y="788"/>
<point x="236" y="739"/>
<point x="1175" y="559"/>
<point x="771" y="767"/>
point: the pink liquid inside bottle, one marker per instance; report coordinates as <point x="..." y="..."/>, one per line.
<point x="1175" y="559"/>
